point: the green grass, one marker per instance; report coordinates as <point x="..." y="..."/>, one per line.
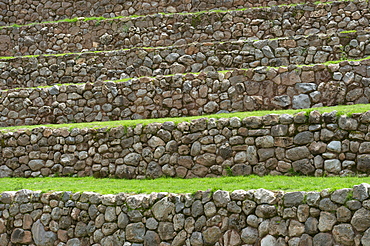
<point x="341" y="110"/>
<point x="176" y="185"/>
<point x="350" y="31"/>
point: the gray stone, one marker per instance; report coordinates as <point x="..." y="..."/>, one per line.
<point x="343" y="214"/>
<point x="123" y="221"/>
<point x="333" y="166"/>
<point x="323" y="239"/>
<point x="327" y="221"/>
<point x="335" y="146"/>
<point x="221" y="198"/>
<point x="265" y="154"/>
<point x="264" y="196"/>
<point x="363" y="163"/>
<point x="301" y="101"/>
<point x="265" y="142"/>
<point x="241" y="170"/>
<point x="303" y="166"/>
<point x="36" y="165"/>
<point x="5" y="172"/>
<point x="361" y="192"/>
<point x="360" y="220"/>
<point x="42" y="237"/>
<point x="210" y="209"/>
<point x="295" y="228"/>
<point x="281" y="101"/>
<point x="326" y="204"/>
<point x="54" y="90"/>
<point x="279" y="130"/>
<point x="305" y="87"/>
<point x="166" y="230"/>
<point x="154" y="170"/>
<point x="110" y="214"/>
<point x="196" y="208"/>
<point x="162" y="209"/>
<point x="178" y="222"/>
<point x="268" y="241"/>
<point x="267" y="52"/>
<point x="132" y="159"/>
<point x="248" y="206"/>
<point x="303" y="138"/>
<point x="353" y="205"/>
<point x="180" y="238"/>
<point x="211" y="107"/>
<point x="109" y="228"/>
<point x="171" y="58"/>
<point x="311" y="226"/>
<point x="265" y="211"/>
<point x="249" y="235"/>
<point x="80" y="229"/>
<point x="365" y="240"/>
<point x="135" y="232"/>
<point x="297" y="153"/>
<point x="347" y="123"/>
<point x="293" y="198"/>
<point x="73" y="242"/>
<point x="240" y="157"/>
<point x="364" y="148"/>
<point x="252" y="155"/>
<point x="253" y="221"/>
<point x="344" y="234"/>
<point x="154" y="142"/>
<point x="211" y="235"/>
<point x="196" y="239"/>
<point x="340" y="196"/>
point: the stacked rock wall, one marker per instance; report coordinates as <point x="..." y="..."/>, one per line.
<point x="23" y="12"/>
<point x="318" y="144"/>
<point x="90" y="67"/>
<point x="254" y="217"/>
<point x="166" y="30"/>
<point x="189" y="95"/>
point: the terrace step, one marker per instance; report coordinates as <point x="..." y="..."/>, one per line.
<point x="165" y="30"/>
<point x="197" y="57"/>
<point x="263" y="88"/>
<point x="23" y="12"/>
<point x="276" y="144"/>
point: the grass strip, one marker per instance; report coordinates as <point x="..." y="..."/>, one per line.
<point x="101" y="18"/>
<point x="341" y="110"/>
<point x="177" y="185"/>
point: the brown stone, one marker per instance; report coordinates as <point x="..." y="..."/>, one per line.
<point x="21" y="236"/>
<point x="27" y="221"/>
<point x="63" y="235"/>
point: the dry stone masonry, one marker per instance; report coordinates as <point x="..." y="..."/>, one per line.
<point x="166" y="30"/>
<point x="112" y="65"/>
<point x="23" y="11"/>
<point x="169" y="64"/>
<point x="253" y="217"/>
<point x="317" y="144"/>
<point x="189" y="95"/>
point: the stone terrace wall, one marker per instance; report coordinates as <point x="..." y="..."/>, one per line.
<point x="253" y="217"/>
<point x="274" y="144"/>
<point x="166" y="30"/>
<point x="189" y="95"/>
<point x="90" y="67"/>
<point x="23" y="12"/>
